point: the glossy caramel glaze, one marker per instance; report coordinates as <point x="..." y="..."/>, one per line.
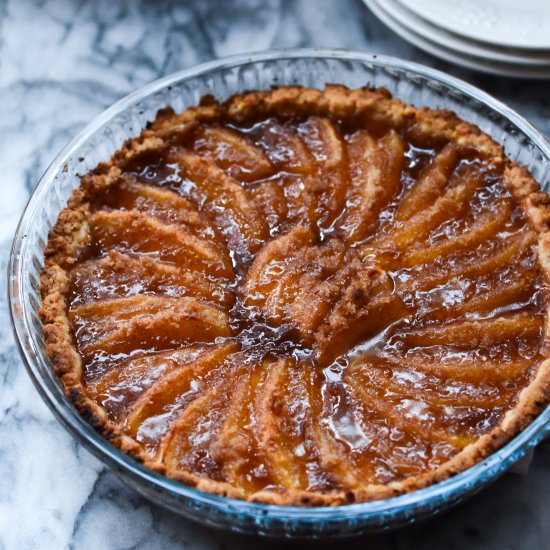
<point x="304" y="303"/>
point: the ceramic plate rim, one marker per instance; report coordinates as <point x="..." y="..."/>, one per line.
<point x="480" y="34"/>
<point x="437" y="34"/>
<point x="449" y="55"/>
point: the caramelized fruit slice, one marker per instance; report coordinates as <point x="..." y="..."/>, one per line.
<point x="333" y="453"/>
<point x="488" y="258"/>
<point x="430" y="183"/>
<point x="235" y="448"/>
<point x="232" y="152"/>
<point x="187" y="447"/>
<point x="484" y="227"/>
<point x="145" y="322"/>
<point x="267" y="274"/>
<point x="412" y="419"/>
<point x="391" y="382"/>
<point x="474" y="334"/>
<point x="228" y="203"/>
<point x="431" y="424"/>
<point x="270" y="200"/>
<point x="283" y="450"/>
<point x="474" y="370"/>
<point x="302" y="189"/>
<point x="164" y="204"/>
<point x="137" y="233"/>
<point x="375" y="172"/>
<point x="153" y="412"/>
<point x="328" y="149"/>
<point x="505" y="291"/>
<point x="123" y="383"/>
<point x="118" y="275"/>
<point x="119" y="309"/>
<point x="283" y="146"/>
<point x="449" y="205"/>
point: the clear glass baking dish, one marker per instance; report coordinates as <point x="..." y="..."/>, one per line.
<point x="412" y="83"/>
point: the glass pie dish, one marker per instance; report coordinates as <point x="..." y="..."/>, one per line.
<point x="414" y="84"/>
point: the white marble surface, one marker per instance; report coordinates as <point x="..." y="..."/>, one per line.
<point x="61" y="63"/>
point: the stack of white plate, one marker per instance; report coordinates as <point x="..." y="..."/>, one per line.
<point x="506" y="37"/>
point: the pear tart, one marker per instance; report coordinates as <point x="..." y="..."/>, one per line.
<point x="303" y="297"/>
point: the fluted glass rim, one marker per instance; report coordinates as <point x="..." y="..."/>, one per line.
<point x="31" y="349"/>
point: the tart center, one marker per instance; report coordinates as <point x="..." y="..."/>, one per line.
<point x="318" y="299"/>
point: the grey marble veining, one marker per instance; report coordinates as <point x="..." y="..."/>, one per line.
<point x="61" y="63"/>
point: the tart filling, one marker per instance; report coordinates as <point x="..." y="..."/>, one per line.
<point x="303" y="297"/>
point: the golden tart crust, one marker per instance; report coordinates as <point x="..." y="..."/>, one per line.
<point x="303" y="297"/>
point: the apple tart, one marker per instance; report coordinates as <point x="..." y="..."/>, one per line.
<point x="303" y="297"/>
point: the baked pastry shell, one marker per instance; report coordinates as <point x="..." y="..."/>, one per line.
<point x="409" y="82"/>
